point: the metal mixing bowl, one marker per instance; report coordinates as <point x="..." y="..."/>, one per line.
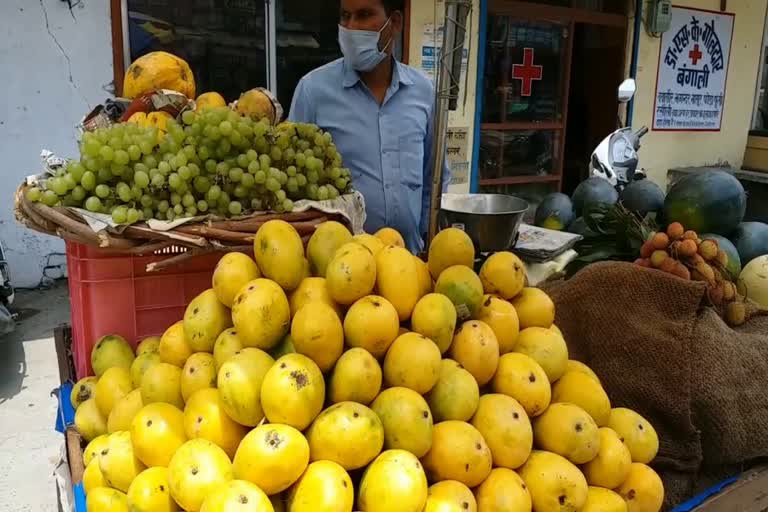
<point x="490" y="220"/>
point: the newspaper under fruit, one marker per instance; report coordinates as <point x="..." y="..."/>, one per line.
<point x="540" y="244"/>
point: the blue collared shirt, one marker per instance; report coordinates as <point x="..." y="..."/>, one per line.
<point x="387" y="147"/>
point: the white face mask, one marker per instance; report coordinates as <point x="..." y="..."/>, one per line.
<point x="361" y="47"/>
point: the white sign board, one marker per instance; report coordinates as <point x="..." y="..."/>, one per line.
<point x="693" y="71"/>
<point x="456" y="154"/>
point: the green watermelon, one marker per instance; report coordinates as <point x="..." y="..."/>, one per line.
<point x="751" y="240"/>
<point x="591" y="192"/>
<point x="579" y="227"/>
<point x="734" y="260"/>
<point x="555" y="212"/>
<point x="643" y="197"/>
<point x="707" y="202"/>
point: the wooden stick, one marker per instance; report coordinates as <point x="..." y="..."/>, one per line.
<point x="150" y="248"/>
<point x="147" y="233"/>
<point x="221" y="234"/>
<point x="192" y="253"/>
<point x="80" y="229"/>
<point x="73" y="237"/>
<point x="36" y="218"/>
<point x="35" y="221"/>
<point x="256" y="222"/>
<point x="65" y="222"/>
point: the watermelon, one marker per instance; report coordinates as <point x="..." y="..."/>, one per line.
<point x="643" y="197"/>
<point x="707" y="202"/>
<point x="579" y="227"/>
<point x="734" y="260"/>
<point x="751" y="240"/>
<point x="555" y="212"/>
<point x="593" y="191"/>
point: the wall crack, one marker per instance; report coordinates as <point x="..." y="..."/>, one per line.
<point x="63" y="53"/>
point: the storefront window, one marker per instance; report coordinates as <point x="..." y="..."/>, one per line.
<point x="605" y="6"/>
<point x="225" y="41"/>
<point x="523" y="103"/>
<point x="519" y="52"/>
<point x="519" y="153"/>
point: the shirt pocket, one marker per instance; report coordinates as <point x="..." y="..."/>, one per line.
<point x="412" y="162"/>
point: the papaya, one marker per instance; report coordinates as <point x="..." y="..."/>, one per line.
<point x="209" y="100"/>
<point x="158" y="70"/>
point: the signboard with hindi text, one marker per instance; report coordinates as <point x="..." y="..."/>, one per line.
<point x="456" y="154"/>
<point x="693" y="71"/>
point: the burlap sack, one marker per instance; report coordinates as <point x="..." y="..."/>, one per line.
<point x="660" y="351"/>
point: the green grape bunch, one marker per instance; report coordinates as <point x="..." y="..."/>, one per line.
<point x="213" y="161"/>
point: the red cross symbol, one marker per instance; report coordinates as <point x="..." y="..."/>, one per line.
<point x="695" y="54"/>
<point x="527" y="72"/>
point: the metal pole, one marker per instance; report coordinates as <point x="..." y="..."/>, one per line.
<point x="446" y="97"/>
<point x="270" y="35"/>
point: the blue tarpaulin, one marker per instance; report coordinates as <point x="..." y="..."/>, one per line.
<point x="65" y="415"/>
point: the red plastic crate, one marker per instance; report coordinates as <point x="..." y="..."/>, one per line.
<point x="114" y="294"/>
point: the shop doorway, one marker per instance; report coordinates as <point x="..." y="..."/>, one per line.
<point x="597" y="69"/>
<point x="548" y="92"/>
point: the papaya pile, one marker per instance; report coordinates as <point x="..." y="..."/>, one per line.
<point x="354" y="376"/>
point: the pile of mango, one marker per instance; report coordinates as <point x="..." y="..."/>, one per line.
<point x="354" y="376"/>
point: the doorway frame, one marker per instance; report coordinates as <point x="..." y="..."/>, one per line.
<point x="567" y="16"/>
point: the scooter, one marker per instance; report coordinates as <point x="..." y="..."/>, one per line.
<point x="615" y="159"/>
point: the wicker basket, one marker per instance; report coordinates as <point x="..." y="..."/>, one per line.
<point x="186" y="240"/>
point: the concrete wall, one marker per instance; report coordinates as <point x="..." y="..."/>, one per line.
<point x="664" y="150"/>
<point x="56" y="64"/>
<point x="426" y="11"/>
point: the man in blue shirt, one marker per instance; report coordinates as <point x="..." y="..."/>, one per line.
<point x="380" y="113"/>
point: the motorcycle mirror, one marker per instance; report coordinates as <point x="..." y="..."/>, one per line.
<point x="627" y="90"/>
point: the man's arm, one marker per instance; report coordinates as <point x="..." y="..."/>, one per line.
<point x="302" y="110"/>
<point x="426" y="197"/>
